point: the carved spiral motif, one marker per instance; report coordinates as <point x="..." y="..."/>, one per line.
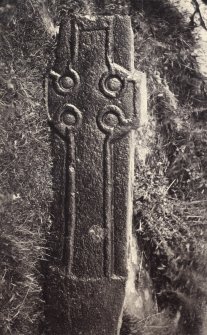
<point x="66" y="82"/>
<point x="68" y="117"/>
<point x="111" y="85"/>
<point x="114" y="83"/>
<point x="111" y="118"/>
<point x="63" y="84"/>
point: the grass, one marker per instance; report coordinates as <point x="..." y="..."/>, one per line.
<point x="170" y="192"/>
<point x="25" y="174"/>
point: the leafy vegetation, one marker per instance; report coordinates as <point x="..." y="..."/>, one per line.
<point x="170" y="193"/>
<point x="26" y="193"/>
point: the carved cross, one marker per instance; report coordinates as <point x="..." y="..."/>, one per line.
<point x="94" y="98"/>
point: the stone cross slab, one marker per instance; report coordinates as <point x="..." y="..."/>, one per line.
<point x="94" y="102"/>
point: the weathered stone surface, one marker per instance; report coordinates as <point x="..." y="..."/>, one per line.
<point x="93" y="106"/>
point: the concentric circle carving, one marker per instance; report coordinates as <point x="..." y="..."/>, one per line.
<point x="114" y="83"/>
<point x="111" y="118"/>
<point x="65" y="83"/>
<point x="111" y="85"/>
<point x="68" y="117"/>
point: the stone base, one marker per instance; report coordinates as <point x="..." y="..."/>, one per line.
<point x="84" y="306"/>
